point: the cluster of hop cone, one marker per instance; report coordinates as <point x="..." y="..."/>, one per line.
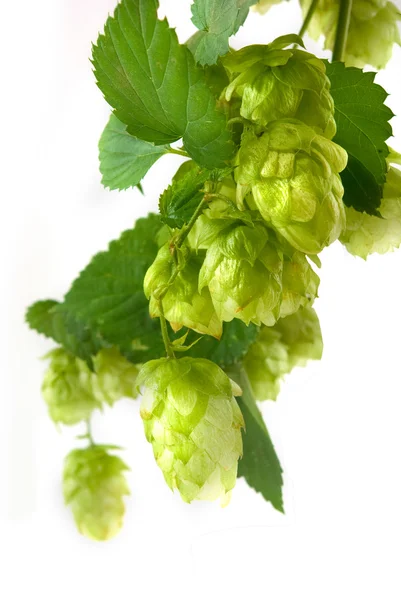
<point x="250" y="256"/>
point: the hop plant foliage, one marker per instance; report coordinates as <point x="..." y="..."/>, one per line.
<point x="291" y="342"/>
<point x="284" y="154"/>
<point x="252" y="277"/>
<point x="373" y="30"/>
<point x="367" y="234"/>
<point x="293" y="175"/>
<point x="277" y="83"/>
<point x="194" y="424"/>
<point x="72" y="391"/>
<point x="94" y="487"/>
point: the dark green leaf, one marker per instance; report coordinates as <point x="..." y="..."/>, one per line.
<point x="362" y="130"/>
<point x="233" y="345"/>
<point x="49" y="318"/>
<point x="155" y="87"/>
<point x="108" y="295"/>
<point x="179" y="201"/>
<point x="259" y="465"/>
<point x="124" y="159"/>
<point x="217" y="21"/>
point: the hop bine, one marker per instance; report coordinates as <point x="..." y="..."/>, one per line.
<point x="277" y="83"/>
<point x="72" y="391"/>
<point x="94" y="486"/>
<point x="253" y="277"/>
<point x="372" y="33"/>
<point x="293" y="176"/>
<point x="193" y="422"/>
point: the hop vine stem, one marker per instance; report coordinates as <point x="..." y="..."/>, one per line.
<point x="344" y="17"/>
<point x="308" y="17"/>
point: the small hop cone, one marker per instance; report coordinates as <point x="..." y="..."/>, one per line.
<point x="94" y="486"/>
<point x="293" y="175"/>
<point x="264" y="5"/>
<point x="372" y="33"/>
<point x="193" y="422"/>
<point x="277" y="83"/>
<point x="366" y="234"/>
<point x="183" y="304"/>
<point x="291" y="342"/>
<point x="72" y="391"/>
<point x="253" y="277"/>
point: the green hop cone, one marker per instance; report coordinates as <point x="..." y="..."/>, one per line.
<point x="366" y="234"/>
<point x="373" y="30"/>
<point x="94" y="486"/>
<point x="264" y="5"/>
<point x="291" y="342"/>
<point x="277" y="83"/>
<point x="251" y="276"/>
<point x="293" y="175"/>
<point x="72" y="391"/>
<point x="193" y="422"/>
<point x="183" y="304"/>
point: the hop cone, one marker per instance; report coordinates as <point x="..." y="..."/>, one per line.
<point x="372" y="32"/>
<point x="275" y="83"/>
<point x="252" y="277"/>
<point x="293" y="176"/>
<point x="94" y="486"/>
<point x="193" y="422"/>
<point x="366" y="234"/>
<point x="72" y="391"/>
<point x="264" y="5"/>
<point x="183" y="304"/>
<point x="291" y="342"/>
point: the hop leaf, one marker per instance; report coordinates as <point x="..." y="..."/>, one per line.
<point x="275" y="83"/>
<point x="293" y="175"/>
<point x="291" y="342"/>
<point x="72" y="391"/>
<point x="94" y="486"/>
<point x="366" y="234"/>
<point x="253" y="277"/>
<point x="183" y="304"/>
<point x="372" y="31"/>
<point x="193" y="422"/>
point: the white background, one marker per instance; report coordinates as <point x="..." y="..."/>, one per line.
<point x="336" y="425"/>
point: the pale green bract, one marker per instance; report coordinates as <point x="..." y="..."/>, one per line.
<point x="183" y="304"/>
<point x="373" y="30"/>
<point x="264" y="5"/>
<point x="94" y="486"/>
<point x="291" y="342"/>
<point x="193" y="422"/>
<point x="293" y="175"/>
<point x="72" y="391"/>
<point x="276" y="83"/>
<point x="253" y="277"/>
<point x="366" y="234"/>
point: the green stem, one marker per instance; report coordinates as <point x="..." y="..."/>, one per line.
<point x="89" y="432"/>
<point x="308" y="17"/>
<point x="179" y="152"/>
<point x="344" y="17"/>
<point x="185" y="230"/>
<point x="165" y="336"/>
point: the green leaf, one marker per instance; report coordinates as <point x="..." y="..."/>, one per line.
<point x="233" y="345"/>
<point x="108" y="295"/>
<point x="179" y="201"/>
<point x="49" y="318"/>
<point x="155" y="87"/>
<point x="124" y="159"/>
<point x="217" y="21"/>
<point x="259" y="465"/>
<point x="362" y="130"/>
